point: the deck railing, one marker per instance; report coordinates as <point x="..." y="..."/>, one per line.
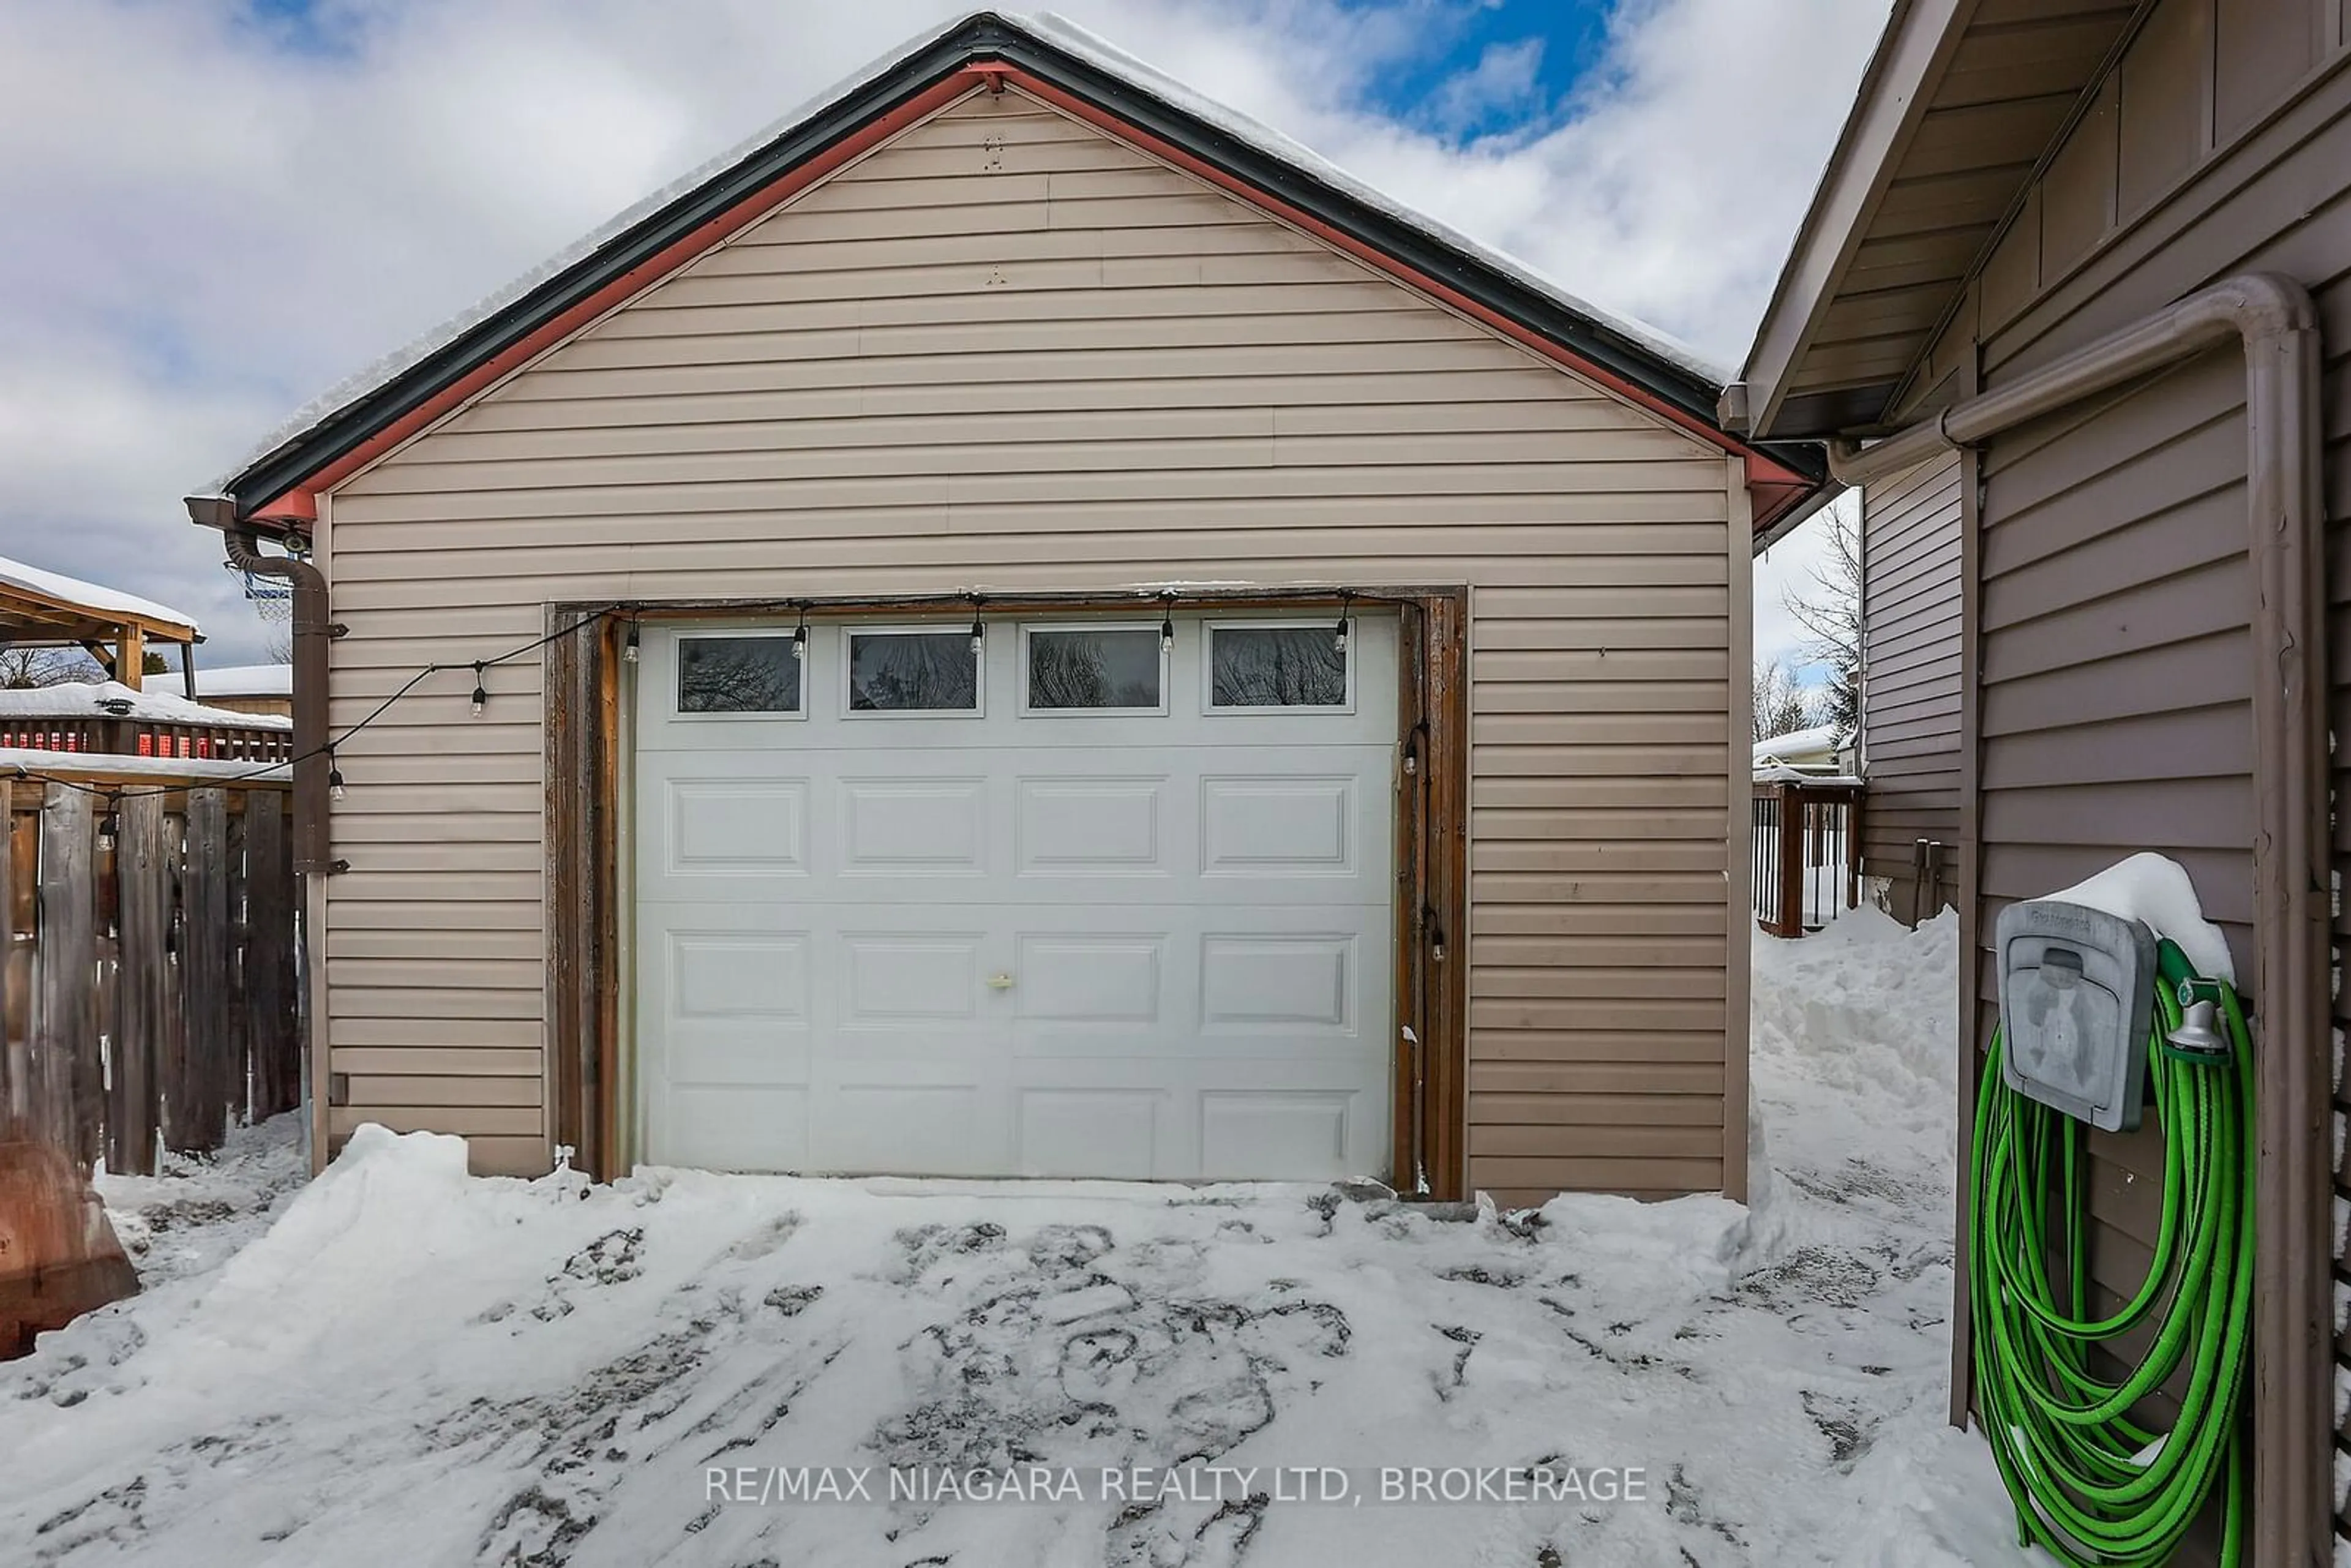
<point x="1805" y="853"/>
<point x="103" y="735"/>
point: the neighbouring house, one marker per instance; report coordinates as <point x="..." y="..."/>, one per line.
<point x="1821" y="751"/>
<point x="248" y="688"/>
<point x="46" y="609"/>
<point x="1030" y="627"/>
<point x="2072" y="306"/>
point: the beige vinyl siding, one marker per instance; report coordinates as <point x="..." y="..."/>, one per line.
<point x="1007" y="353"/>
<point x="2113" y="649"/>
<point x="1910" y="714"/>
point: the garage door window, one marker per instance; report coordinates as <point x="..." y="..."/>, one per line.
<point x="1256" y="666"/>
<point x="913" y="672"/>
<point x="1094" y="669"/>
<point x="737" y="675"/>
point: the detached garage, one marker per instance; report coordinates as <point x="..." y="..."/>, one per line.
<point x="1021" y="626"/>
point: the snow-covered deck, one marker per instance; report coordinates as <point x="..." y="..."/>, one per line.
<point x="111" y="699"/>
<point x="399" y="1364"/>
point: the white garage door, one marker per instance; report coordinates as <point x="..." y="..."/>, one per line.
<point x="1075" y="905"/>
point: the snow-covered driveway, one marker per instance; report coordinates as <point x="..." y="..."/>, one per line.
<point x="410" y="1366"/>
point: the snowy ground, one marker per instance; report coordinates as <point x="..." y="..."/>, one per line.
<point x="400" y="1364"/>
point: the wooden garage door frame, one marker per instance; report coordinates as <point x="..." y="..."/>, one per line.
<point x="583" y="748"/>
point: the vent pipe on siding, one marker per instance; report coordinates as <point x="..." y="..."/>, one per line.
<point x="2276" y="323"/>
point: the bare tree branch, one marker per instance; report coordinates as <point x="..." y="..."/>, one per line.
<point x="1781" y="706"/>
<point x="1830" y="612"/>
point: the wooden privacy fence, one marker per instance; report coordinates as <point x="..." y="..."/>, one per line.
<point x="148" y="992"/>
<point x="1805" y="853"/>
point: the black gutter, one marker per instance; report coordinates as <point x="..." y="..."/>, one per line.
<point x="983" y="37"/>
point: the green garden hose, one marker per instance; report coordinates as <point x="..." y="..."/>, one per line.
<point x="2092" y="1487"/>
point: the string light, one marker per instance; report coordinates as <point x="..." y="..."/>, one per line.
<point x="628" y="648"/>
<point x="335" y="786"/>
<point x="1167" y="625"/>
<point x="325" y="749"/>
<point x="109" y="826"/>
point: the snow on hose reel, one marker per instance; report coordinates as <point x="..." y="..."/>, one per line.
<point x="2097" y="1016"/>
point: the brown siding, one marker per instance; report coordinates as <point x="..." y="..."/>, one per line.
<point x="2112" y="658"/>
<point x="1005" y="351"/>
<point x="1910" y="711"/>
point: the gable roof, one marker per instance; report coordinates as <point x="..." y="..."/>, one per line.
<point x="1962" y="103"/>
<point x="1063" y="65"/>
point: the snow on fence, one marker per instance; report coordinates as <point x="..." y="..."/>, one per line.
<point x="1804" y="852"/>
<point x="148" y="978"/>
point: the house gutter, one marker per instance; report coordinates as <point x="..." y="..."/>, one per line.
<point x="2275" y="321"/>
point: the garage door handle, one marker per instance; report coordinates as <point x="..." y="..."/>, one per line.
<point x="1000" y="982"/>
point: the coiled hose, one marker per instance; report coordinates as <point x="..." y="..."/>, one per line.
<point x="2092" y="1487"/>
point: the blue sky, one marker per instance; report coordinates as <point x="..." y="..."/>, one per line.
<point x="220" y="207"/>
<point x="1544" y="47"/>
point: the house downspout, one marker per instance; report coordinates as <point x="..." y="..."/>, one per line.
<point x="2274" y="318"/>
<point x="314" y="633"/>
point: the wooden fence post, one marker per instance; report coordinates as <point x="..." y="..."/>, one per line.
<point x="269" y="955"/>
<point x="233" y="1064"/>
<point x="12" y="1067"/>
<point x="203" y="971"/>
<point x="66" y="1095"/>
<point x="1790" y="870"/>
<point x="142" y="861"/>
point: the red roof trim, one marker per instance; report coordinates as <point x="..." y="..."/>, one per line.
<point x="297" y="504"/>
<point x="637" y="279"/>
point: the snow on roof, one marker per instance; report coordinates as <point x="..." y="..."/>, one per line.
<point x="1818" y="740"/>
<point x="245" y="681"/>
<point x="1050" y="28"/>
<point x="83" y="699"/>
<point x="103" y="602"/>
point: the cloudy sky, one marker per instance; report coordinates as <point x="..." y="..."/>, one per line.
<point x="218" y="207"/>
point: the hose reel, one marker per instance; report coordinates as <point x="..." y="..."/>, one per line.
<point x="2097" y="1014"/>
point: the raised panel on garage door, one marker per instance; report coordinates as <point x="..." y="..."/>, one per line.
<point x="1084" y="919"/>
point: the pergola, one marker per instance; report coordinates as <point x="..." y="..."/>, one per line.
<point x="50" y="609"/>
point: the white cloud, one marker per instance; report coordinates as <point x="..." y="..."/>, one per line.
<point x="207" y="227"/>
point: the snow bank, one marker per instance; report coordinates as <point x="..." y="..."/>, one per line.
<point x="2156" y="890"/>
<point x="404" y="1363"/>
<point x="1868" y="1010"/>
